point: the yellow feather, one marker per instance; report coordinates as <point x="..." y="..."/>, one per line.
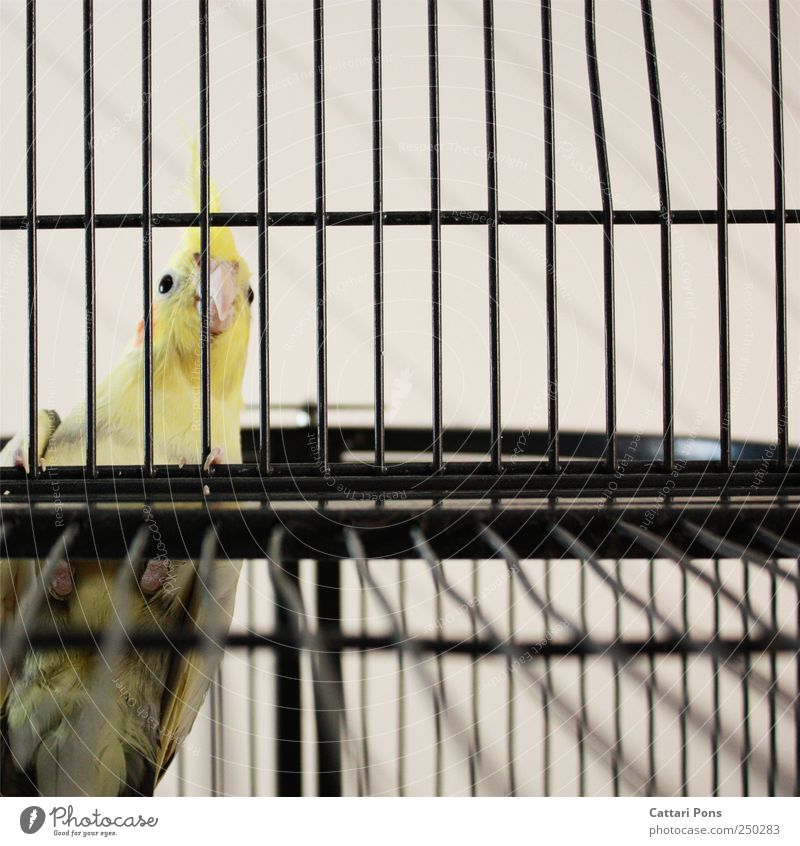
<point x="53" y="684"/>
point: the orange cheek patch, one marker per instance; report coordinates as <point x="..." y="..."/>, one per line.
<point x="138" y="340"/>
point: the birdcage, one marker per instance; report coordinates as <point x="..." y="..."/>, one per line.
<point x="454" y="609"/>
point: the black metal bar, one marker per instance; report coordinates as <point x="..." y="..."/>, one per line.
<point x="364" y="788"/>
<point x="447" y="217"/>
<point x="320" y="235"/>
<point x="716" y="716"/>
<point x="659" y="547"/>
<point x="601" y="148"/>
<point x="401" y="683"/>
<point x="584" y="623"/>
<point x="779" y="544"/>
<point x="496" y="428"/>
<point x="665" y="209"/>
<point x="772" y="772"/>
<point x="32" y="239"/>
<point x="780" y="229"/>
<point x="377" y="229"/>
<point x="107" y="531"/>
<point x="566" y="709"/>
<point x="279" y="640"/>
<point x="264" y="455"/>
<point x="722" y="236"/>
<point x="329" y="741"/>
<point x="747" y="745"/>
<point x="288" y="731"/>
<point x="400" y="641"/>
<point x="147" y="236"/>
<point x="438" y="718"/>
<point x="252" y="704"/>
<point x="475" y="741"/>
<point x="461" y="481"/>
<point x="684" y="712"/>
<point x="550" y="235"/>
<point x="617" y="671"/>
<point x="511" y="691"/>
<point x="89" y="235"/>
<point x="651" y="683"/>
<point x="205" y="245"/>
<point x="435" y="220"/>
<point x="290" y="445"/>
<point x="721" y="547"/>
<point x="217" y="725"/>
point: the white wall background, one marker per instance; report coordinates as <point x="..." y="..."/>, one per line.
<point x="683" y="33"/>
<point x="684" y="40"/>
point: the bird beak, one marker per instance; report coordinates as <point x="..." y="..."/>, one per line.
<point x="222" y="287"/>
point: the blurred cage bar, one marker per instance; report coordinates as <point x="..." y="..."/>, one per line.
<point x="687" y="678"/>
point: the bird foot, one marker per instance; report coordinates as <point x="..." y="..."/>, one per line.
<point x="21" y="459"/>
<point x="216" y="456"/>
<point x="62" y="583"/>
<point x="155" y="574"/>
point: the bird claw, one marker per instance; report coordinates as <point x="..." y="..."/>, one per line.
<point x="62" y="584"/>
<point x="21" y="459"/>
<point x="216" y="456"/>
<point x="155" y="574"/>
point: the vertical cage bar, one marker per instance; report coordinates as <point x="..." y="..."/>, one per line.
<point x="264" y="456"/>
<point x="722" y="236"/>
<point x="440" y="692"/>
<point x="511" y="690"/>
<point x="89" y="234"/>
<point x="582" y="687"/>
<point x="772" y="773"/>
<point x="205" y="258"/>
<point x="550" y="236"/>
<point x="288" y="730"/>
<point x="746" y="738"/>
<point x="147" y="235"/>
<point x="401" y="684"/>
<point x="320" y="234"/>
<point x="608" y="234"/>
<point x="797" y="691"/>
<point x="32" y="239"/>
<point x="328" y="691"/>
<point x="377" y="229"/>
<point x="364" y="788"/>
<point x="780" y="229"/>
<point x="475" y="744"/>
<point x="617" y="670"/>
<point x="651" y="683"/>
<point x="684" y="683"/>
<point x="217" y="750"/>
<point x="665" y="212"/>
<point x="547" y="767"/>
<point x="716" y="727"/>
<point x="496" y="430"/>
<point x="252" y="705"/>
<point x="436" y="231"/>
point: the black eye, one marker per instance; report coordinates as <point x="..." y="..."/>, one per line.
<point x="250" y="295"/>
<point x="166" y="283"/>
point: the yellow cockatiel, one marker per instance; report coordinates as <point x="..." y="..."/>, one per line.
<point x="73" y="727"/>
